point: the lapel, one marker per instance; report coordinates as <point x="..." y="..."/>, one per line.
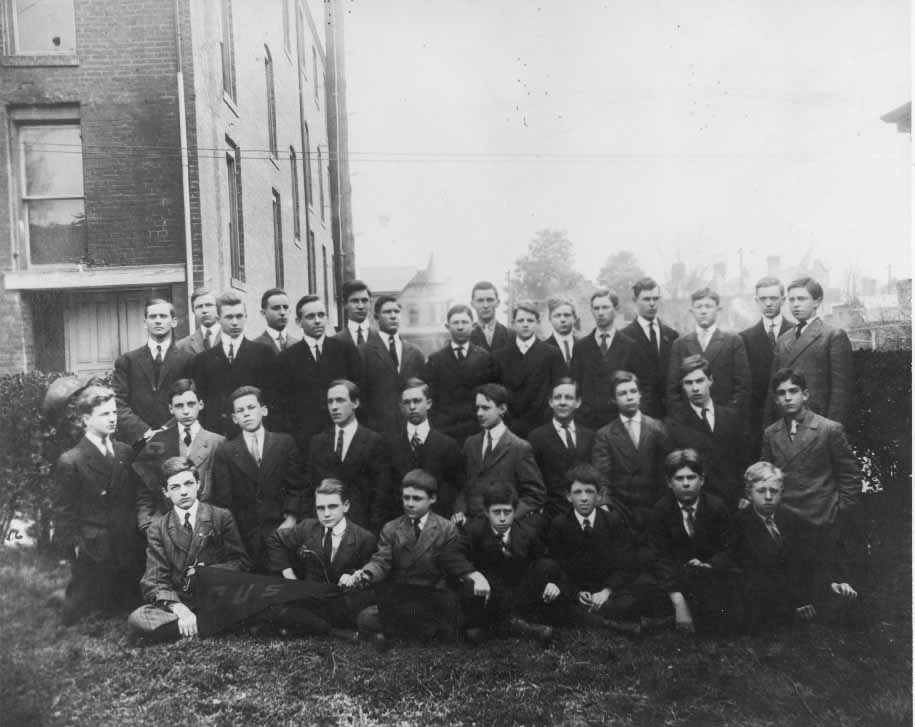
<point x="620" y="435"/>
<point x="810" y="334"/>
<point x="105" y="471"/>
<point x="500" y="450"/>
<point x="375" y="345"/>
<point x="347" y="545"/>
<point x="427" y="536"/>
<point x="180" y="540"/>
<point x="691" y="342"/>
<point x="715" y="346"/>
<point x="243" y="459"/>
<point x="356" y="445"/>
<point x="170" y="361"/>
<point x="145" y="362"/>
<point x="806" y="432"/>
<point x="269" y="455"/>
<point x="200" y="447"/>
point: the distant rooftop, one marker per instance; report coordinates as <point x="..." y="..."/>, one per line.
<point x="902" y="117"/>
<point x="388" y="278"/>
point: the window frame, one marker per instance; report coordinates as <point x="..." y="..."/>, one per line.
<point x="270" y="82"/>
<point x="296" y="203"/>
<point x="279" y="261"/>
<point x="227" y="51"/>
<point x="38" y="57"/>
<point x="236" y="218"/>
<point x="321" y="182"/>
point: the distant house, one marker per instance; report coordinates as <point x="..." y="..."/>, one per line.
<point x="425" y="300"/>
<point x="387" y="280"/>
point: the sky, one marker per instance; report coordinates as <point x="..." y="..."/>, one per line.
<point x="677" y="130"/>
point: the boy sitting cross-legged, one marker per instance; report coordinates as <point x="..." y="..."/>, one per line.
<point x="192" y="534"/>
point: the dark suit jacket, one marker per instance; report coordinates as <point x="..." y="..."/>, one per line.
<point x="673" y="548"/>
<point x="760" y="354"/>
<point x="594" y="374"/>
<point x="823" y="354"/>
<point x="366" y="472"/>
<point x="440" y="456"/>
<point x="382" y="383"/>
<point x="148" y="464"/>
<point x="403" y="559"/>
<point x="344" y="335"/>
<point x="634" y="475"/>
<point x="96" y="505"/>
<point x="216" y="379"/>
<point x="554" y="342"/>
<point x="501" y="337"/>
<point x="142" y="400"/>
<point x="529" y="379"/>
<point x="291" y="337"/>
<point x="822" y="476"/>
<point x="723" y="452"/>
<point x="512" y="461"/>
<point x="655" y="365"/>
<point x="171" y="550"/>
<point x="451" y="384"/>
<point x="605" y="559"/>
<point x="730" y="369"/>
<point x="484" y="549"/>
<point x="302" y="385"/>
<point x="193" y="344"/>
<point x="302" y="549"/>
<point x="554" y="459"/>
<point x="258" y="497"/>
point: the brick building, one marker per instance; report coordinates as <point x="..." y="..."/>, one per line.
<point x="152" y="147"/>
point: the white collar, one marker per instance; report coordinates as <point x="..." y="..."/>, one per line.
<point x="421" y="430"/>
<point x="339" y="528"/>
<point x="275" y="334"/>
<point x="386" y="337"/>
<point x="354" y="328"/>
<point x="775" y="322"/>
<point x="226" y="340"/>
<point x="698" y="409"/>
<point x="464" y="346"/>
<point x="195" y="429"/>
<point x="504" y="537"/>
<point x="636" y="418"/>
<point x="646" y="324"/>
<point x="496" y="433"/>
<point x="559" y="426"/>
<point x="99" y="442"/>
<point x="525" y="346"/>
<point x="258" y="433"/>
<point x="422" y="521"/>
<point x="598" y="333"/>
<point x="349" y="429"/>
<point x="694" y="505"/>
<point x="581" y="518"/>
<point x="192" y="510"/>
<point x="151" y="344"/>
<point x="810" y="320"/>
<point x="709" y="332"/>
<point x="312" y="342"/>
<point x="570" y="337"/>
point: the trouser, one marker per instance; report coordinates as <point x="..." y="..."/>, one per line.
<point x="713" y="599"/>
<point x="641" y="597"/>
<point x="523" y="599"/>
<point x="414" y="612"/>
<point x="94" y="586"/>
<point x="321" y="616"/>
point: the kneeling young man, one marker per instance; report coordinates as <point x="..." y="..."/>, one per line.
<point x="192" y="534"/>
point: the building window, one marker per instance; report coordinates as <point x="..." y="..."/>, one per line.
<point x="287" y="31"/>
<point x="413" y="315"/>
<point x="314" y="68"/>
<point x="236" y="228"/>
<point x="227" y="48"/>
<point x="321" y="181"/>
<point x="308" y="195"/>
<point x="300" y="42"/>
<point x="312" y="264"/>
<point x="326" y="278"/>
<point x="294" y="180"/>
<point x="278" y="240"/>
<point x="271" y="103"/>
<point x="52" y="207"/>
<point x="43" y="26"/>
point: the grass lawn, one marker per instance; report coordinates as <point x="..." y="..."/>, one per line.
<point x="88" y="675"/>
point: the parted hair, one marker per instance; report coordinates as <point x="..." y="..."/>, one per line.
<point x="91" y="397"/>
<point x="500" y="493"/>
<point x="759" y="471"/>
<point x="420" y="480"/>
<point x="680" y="458"/>
<point x="585" y="473"/>
<point x="175" y="465"/>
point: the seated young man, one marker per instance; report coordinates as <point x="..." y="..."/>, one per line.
<point x="190" y="535"/>
<point x="324" y="550"/>
<point x="418" y="554"/>
<point x="509" y="553"/>
<point x="688" y="530"/>
<point x="790" y="571"/>
<point x="600" y="580"/>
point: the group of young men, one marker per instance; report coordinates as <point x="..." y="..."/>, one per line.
<point x="625" y="479"/>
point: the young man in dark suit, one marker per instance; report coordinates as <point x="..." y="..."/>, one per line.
<point x="655" y="339"/>
<point x="419" y="446"/>
<point x="563" y="318"/>
<point x="453" y="374"/>
<point x="353" y="454"/>
<point x="388" y="361"/>
<point x="487" y="333"/>
<point x="759" y="340"/>
<point x="235" y="362"/>
<point x="559" y="445"/>
<point x="496" y="455"/>
<point x="724" y="352"/>
<point x="597" y="356"/>
<point x="96" y="518"/>
<point x="357" y="304"/>
<point x="279" y="334"/>
<point x="142" y="376"/>
<point x="203" y="304"/>
<point x="715" y="431"/>
<point x="257" y="475"/>
<point x="527" y="368"/>
<point x="305" y="370"/>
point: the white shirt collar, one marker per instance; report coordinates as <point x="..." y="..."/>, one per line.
<point x="338" y="529"/>
<point x="225" y="340"/>
<point x="421" y="521"/>
<point x="421" y="430"/>
<point x="195" y="430"/>
<point x="570" y="337"/>
<point x="694" y="505"/>
<point x="598" y="333"/>
<point x="810" y="320"/>
<point x="152" y="343"/>
<point x="312" y="342"/>
<point x="709" y="332"/>
<point x="259" y="433"/>
<point x="524" y="346"/>
<point x="647" y="324"/>
<point x="455" y="346"/>
<point x="559" y="428"/>
<point x="349" y="428"/>
<point x="637" y="418"/>
<point x="770" y="322"/>
<point x="354" y="328"/>
<point x="179" y="513"/>
<point x="275" y="334"/>
<point x="99" y="442"/>
<point x="504" y="537"/>
<point x="581" y="518"/>
<point x="496" y="433"/>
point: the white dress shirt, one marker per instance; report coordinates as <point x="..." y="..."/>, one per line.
<point x="195" y="430"/>
<point x="418" y="430"/>
<point x="561" y="431"/>
<point x="562" y="340"/>
<point x="151" y="344"/>
<point x="773" y="324"/>
<point x="525" y="346"/>
<point x="496" y="433"/>
<point x="336" y="536"/>
<point x="635" y="428"/>
<point x="349" y="431"/>
<point x="421" y="522"/>
<point x="254" y="441"/>
<point x="710" y="412"/>
<point x="313" y="342"/>
<point x="102" y="445"/>
<point x="705" y="335"/>
<point x="192" y="510"/>
<point x="581" y="519"/>
<point x="684" y="517"/>
<point x="226" y="342"/>
<point x="598" y="333"/>
<point x="354" y="329"/>
<point x="647" y="325"/>
<point x="398" y="346"/>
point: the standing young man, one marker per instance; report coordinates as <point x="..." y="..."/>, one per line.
<point x="563" y="318"/>
<point x="203" y="304"/>
<point x="357" y="304"/>
<point x="279" y="335"/>
<point x="488" y="333"/>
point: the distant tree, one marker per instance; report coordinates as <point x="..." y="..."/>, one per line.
<point x="619" y="273"/>
<point x="546" y="269"/>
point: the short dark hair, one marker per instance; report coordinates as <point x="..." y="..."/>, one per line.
<point x="181" y="386"/>
<point x="414" y="383"/>
<point x="150" y="302"/>
<point x="229" y="297"/>
<point x="811" y="286"/>
<point x="694" y="363"/>
<point x="585" y="473"/>
<point x="199" y="293"/>
<point x="794" y="376"/>
<point x="604" y="293"/>
<point x="483" y="285"/>
<point x="305" y="300"/>
<point x="459" y="308"/>
<point x="496" y="393"/>
<point x="566" y="381"/>
<point x="91" y="397"/>
<point x="353" y="286"/>
<point x="420" y="480"/>
<point x="246" y="391"/>
<point x="767" y="282"/>
<point x="680" y="458"/>
<point x="382" y="299"/>
<point x="332" y="486"/>
<point x="499" y="493"/>
<point x="268" y="294"/>
<point x="527" y="306"/>
<point x="175" y="465"/>
<point x="645" y="283"/>
<point x="621" y="377"/>
<point x="705" y="292"/>
<point x="352" y="388"/>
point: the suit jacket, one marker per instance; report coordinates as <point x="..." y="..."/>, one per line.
<point x="171" y="550"/>
<point x="723" y="451"/>
<point x="822" y="477"/>
<point x="253" y="365"/>
<point x="365" y="470"/>
<point x="529" y="379"/>
<point x="95" y="505"/>
<point x="193" y="344"/>
<point x="554" y="459"/>
<point x="451" y="384"/>
<point x="760" y="354"/>
<point x="655" y="364"/>
<point x="554" y="342"/>
<point x="291" y="337"/>
<point x="344" y="335"/>
<point x="142" y="400"/>
<point x="440" y="456"/>
<point x="634" y="475"/>
<point x="594" y="373"/>
<point x="605" y="559"/>
<point x="148" y="466"/>
<point x="730" y="369"/>
<point x="401" y="558"/>
<point x="823" y="354"/>
<point x="484" y="549"/>
<point x="673" y="548"/>
<point x="382" y="383"/>
<point x="256" y="496"/>
<point x="512" y="461"/>
<point x="302" y="549"/>
<point x="501" y="337"/>
<point x="302" y="385"/>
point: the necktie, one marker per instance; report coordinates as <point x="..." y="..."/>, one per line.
<point x="392" y="348"/>
<point x="415" y="441"/>
<point x="206" y="338"/>
<point x="254" y="449"/>
<point x="690" y="511"/>
<point x="317" y="352"/>
<point x="799" y="330"/>
<point x="586" y="527"/>
<point x="570" y="443"/>
<point x="109" y="453"/>
<point x="459" y="353"/>
<point x="281" y="339"/>
<point x="416" y="529"/>
<point x="187" y="437"/>
<point x="603" y="343"/>
<point x="630" y="427"/>
<point x="488" y="450"/>
<point x="157" y="363"/>
<point x="568" y="353"/>
<point x="339" y="448"/>
<point x="792" y="429"/>
<point x="772" y="334"/>
<point x="703" y="340"/>
<point x="328" y="545"/>
<point x="653" y="339"/>
<point x="705" y="419"/>
<point x="231" y="352"/>
<point x="187" y="522"/>
<point x="487" y="334"/>
<point x="503" y="544"/>
<point x="773" y="529"/>
<point x="360" y="339"/>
